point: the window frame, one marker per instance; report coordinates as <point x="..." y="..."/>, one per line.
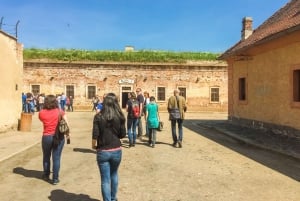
<point x="39" y="89"/>
<point x="66" y="90"/>
<point x="211" y="95"/>
<point x="158" y="95"/>
<point x="244" y="90"/>
<point x="87" y="91"/>
<point x="295" y="86"/>
<point x="182" y="91"/>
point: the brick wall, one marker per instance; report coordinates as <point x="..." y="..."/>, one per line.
<point x="114" y="77"/>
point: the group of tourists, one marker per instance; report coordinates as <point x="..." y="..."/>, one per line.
<point x="64" y="102"/>
<point x="34" y="103"/>
<point x="109" y="126"/>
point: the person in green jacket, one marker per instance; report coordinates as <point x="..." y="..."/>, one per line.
<point x="152" y="118"/>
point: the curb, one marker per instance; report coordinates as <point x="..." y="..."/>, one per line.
<point x="19" y="151"/>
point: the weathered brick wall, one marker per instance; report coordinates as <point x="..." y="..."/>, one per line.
<point x="109" y="77"/>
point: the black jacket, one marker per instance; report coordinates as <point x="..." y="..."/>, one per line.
<point x="108" y="134"/>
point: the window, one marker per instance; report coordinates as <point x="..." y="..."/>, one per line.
<point x="35" y="89"/>
<point x="242" y="89"/>
<point x="70" y="90"/>
<point x="296" y="85"/>
<point x="91" y="92"/>
<point x="161" y="93"/>
<point x="182" y="91"/>
<point x="214" y="94"/>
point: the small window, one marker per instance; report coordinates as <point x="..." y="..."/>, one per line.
<point x="70" y="90"/>
<point x="296" y="85"/>
<point x="91" y="92"/>
<point x="242" y="89"/>
<point x="161" y="93"/>
<point x="182" y="91"/>
<point x="214" y="94"/>
<point x="35" y="89"/>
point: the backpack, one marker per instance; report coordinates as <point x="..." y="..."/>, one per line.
<point x="135" y="108"/>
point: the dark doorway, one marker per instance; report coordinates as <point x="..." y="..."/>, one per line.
<point x="124" y="99"/>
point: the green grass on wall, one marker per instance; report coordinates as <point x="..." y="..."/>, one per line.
<point x="117" y="56"/>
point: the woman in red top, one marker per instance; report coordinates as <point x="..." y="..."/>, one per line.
<point x="49" y="117"/>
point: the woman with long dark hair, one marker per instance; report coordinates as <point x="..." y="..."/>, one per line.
<point x="108" y="129"/>
<point x="49" y="116"/>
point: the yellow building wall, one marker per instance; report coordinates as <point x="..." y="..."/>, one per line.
<point x="11" y="69"/>
<point x="269" y="86"/>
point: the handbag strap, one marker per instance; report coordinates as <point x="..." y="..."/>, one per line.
<point x="59" y="115"/>
<point x="177" y="101"/>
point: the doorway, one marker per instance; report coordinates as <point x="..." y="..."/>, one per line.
<point x="124" y="95"/>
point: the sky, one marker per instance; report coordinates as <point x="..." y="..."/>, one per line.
<point x="110" y="25"/>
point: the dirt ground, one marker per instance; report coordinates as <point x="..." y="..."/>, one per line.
<point x="209" y="167"/>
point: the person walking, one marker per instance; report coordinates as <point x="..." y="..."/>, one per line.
<point x="95" y="102"/>
<point x="63" y="101"/>
<point x="152" y="117"/>
<point x="132" y="118"/>
<point x="176" y="102"/>
<point x="49" y="116"/>
<point x="108" y="129"/>
<point x="140" y="99"/>
<point x="71" y="103"/>
<point x="146" y="102"/>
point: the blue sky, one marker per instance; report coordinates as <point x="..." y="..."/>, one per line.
<point x="169" y="25"/>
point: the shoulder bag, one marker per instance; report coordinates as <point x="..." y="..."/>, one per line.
<point x="174" y="112"/>
<point x="62" y="129"/>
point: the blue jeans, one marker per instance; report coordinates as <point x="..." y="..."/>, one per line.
<point x="173" y="127"/>
<point x="131" y="130"/>
<point x="63" y="104"/>
<point x="108" y="163"/>
<point x="48" y="149"/>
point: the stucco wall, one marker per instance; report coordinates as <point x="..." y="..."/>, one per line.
<point x="11" y="69"/>
<point x="269" y="87"/>
<point x="197" y="79"/>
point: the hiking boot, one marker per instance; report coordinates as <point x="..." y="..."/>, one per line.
<point x="180" y="144"/>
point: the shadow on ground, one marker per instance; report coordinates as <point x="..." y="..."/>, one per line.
<point x="284" y="164"/>
<point x="28" y="173"/>
<point x="61" y="195"/>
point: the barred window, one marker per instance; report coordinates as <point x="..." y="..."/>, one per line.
<point x="69" y="90"/>
<point x="161" y="93"/>
<point x="91" y="92"/>
<point x="182" y="91"/>
<point x="214" y="94"/>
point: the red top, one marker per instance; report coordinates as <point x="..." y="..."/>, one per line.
<point x="50" y="120"/>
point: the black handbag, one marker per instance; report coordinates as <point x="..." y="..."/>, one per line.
<point x="160" y="126"/>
